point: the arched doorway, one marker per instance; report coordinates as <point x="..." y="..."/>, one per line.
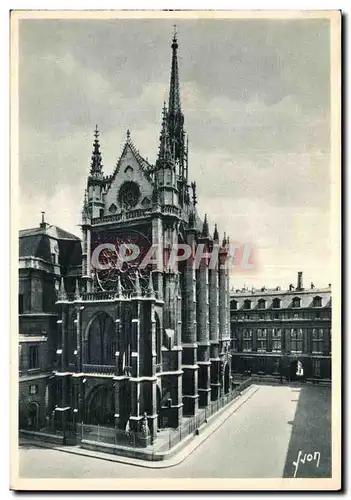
<point x="33" y="415"/>
<point x="226" y="378"/>
<point x="101" y="406"/>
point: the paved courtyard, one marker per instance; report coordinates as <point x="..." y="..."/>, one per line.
<point x="261" y="439"/>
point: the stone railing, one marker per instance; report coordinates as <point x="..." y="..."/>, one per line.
<point x="106" y="369"/>
<point x="136" y="214"/>
<point x="120" y="217"/>
<point x="99" y="295"/>
<point x="171" y="210"/>
<point x="110" y="296"/>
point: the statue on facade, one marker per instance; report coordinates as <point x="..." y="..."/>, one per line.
<point x="127" y="429"/>
<point x="145" y="431"/>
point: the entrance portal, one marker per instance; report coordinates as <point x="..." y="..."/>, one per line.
<point x="101" y="406"/>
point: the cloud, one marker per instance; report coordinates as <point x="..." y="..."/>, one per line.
<point x="256" y="101"/>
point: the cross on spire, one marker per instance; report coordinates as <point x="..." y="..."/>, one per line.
<point x="96" y="132"/>
<point x="96" y="159"/>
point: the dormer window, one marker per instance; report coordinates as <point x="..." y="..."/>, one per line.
<point x="262" y="304"/>
<point x="276" y="303"/>
<point x="233" y="305"/>
<point x="317" y="301"/>
<point x="296" y="302"/>
<point x="247" y="304"/>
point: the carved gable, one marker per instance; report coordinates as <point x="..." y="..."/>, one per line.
<point x="130" y="184"/>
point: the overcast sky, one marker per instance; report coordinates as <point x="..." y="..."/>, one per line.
<point x="255" y="95"/>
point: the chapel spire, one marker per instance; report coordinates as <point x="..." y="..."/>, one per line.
<point x="174" y="93"/>
<point x="175" y="119"/>
<point x="96" y="159"/>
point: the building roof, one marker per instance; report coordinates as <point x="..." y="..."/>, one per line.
<point x="286" y="297"/>
<point x="44" y="241"/>
<point x="49" y="230"/>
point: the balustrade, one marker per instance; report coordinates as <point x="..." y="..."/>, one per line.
<point x="106" y="369"/>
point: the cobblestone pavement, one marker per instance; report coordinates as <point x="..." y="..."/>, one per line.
<point x="260" y="440"/>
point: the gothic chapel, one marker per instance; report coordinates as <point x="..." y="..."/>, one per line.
<point x="152" y="340"/>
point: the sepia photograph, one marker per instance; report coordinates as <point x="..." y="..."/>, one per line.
<point x="176" y="262"/>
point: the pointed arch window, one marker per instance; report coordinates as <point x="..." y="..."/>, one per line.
<point x="102" y="341"/>
<point x="113" y="208"/>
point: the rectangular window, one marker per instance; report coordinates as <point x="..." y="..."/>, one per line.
<point x="53" y="258"/>
<point x="247" y="339"/>
<point x="317" y="339"/>
<point x="33" y="390"/>
<point x="20" y="303"/>
<point x="276" y="339"/>
<point x="296" y="336"/>
<point x="33" y="357"/>
<point x="261" y="340"/>
<point x="317" y="367"/>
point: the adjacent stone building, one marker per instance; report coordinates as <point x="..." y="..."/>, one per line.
<point x="279" y="332"/>
<point x="46" y="253"/>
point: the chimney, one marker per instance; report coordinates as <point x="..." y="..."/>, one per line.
<point x="299" y="281"/>
<point x="42" y="225"/>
